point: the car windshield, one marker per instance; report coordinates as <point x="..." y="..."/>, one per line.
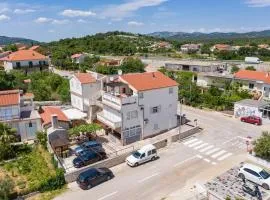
<point x="264" y="174"/>
<point x="136" y="154"/>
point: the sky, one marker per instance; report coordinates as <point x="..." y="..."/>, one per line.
<point x="48" y="20"/>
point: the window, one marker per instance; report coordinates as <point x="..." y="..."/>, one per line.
<point x="30" y="64"/>
<point x="30" y="124"/>
<point x="143" y="155"/>
<point x="149" y="153"/>
<point x="154" y="151"/>
<point x="140" y="95"/>
<point x="170" y="90"/>
<point x="155" y="109"/>
<point x="252" y="172"/>
<point x="251" y="86"/>
<point x="18" y="64"/>
<point x="132" y="115"/>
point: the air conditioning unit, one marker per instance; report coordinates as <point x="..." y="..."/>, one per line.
<point x="145" y="121"/>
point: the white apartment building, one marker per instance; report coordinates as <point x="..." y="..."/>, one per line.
<point x="27" y="60"/>
<point x="138" y="106"/>
<point x="17" y="110"/>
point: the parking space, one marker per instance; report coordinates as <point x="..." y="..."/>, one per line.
<point x="230" y="185"/>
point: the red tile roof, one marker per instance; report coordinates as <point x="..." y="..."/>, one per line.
<point x="28" y="95"/>
<point x="148" y="81"/>
<point x="253" y="75"/>
<point x="9" y="97"/>
<point x="24" y="55"/>
<point x="85" y="78"/>
<point x="77" y="55"/>
<point x="46" y="116"/>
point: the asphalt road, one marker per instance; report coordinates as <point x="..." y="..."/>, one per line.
<point x="221" y="141"/>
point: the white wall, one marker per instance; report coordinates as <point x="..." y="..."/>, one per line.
<point x="245" y="111"/>
<point x="10" y="112"/>
<point x="77" y="102"/>
<point x="111" y="114"/>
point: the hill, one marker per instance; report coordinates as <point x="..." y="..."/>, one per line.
<point x="198" y="36"/>
<point x="4" y="40"/>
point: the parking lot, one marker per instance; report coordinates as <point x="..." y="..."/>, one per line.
<point x="230" y="185"/>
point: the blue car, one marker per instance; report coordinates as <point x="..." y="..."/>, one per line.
<point x="92" y="145"/>
<point x="78" y="150"/>
<point x="86" y="158"/>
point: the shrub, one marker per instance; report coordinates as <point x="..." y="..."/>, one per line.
<point x="53" y="183"/>
<point x="6" y="188"/>
<point x="262" y="146"/>
<point x="42" y="138"/>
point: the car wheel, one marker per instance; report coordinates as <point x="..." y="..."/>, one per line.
<point x="265" y="186"/>
<point x="153" y="158"/>
<point x="242" y="176"/>
<point x="109" y="178"/>
<point x="89" y="186"/>
<point x="136" y="164"/>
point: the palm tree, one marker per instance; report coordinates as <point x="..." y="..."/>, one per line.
<point x="7" y="134"/>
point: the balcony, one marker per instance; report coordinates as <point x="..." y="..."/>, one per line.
<point x="112" y="123"/>
<point x="117" y="101"/>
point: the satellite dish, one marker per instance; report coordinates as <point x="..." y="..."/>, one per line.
<point x="111" y="79"/>
<point x="120" y="72"/>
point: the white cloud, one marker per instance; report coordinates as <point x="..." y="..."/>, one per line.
<point x="4" y="10"/>
<point x="126" y="9"/>
<point x="60" y="22"/>
<point x="41" y="20"/>
<point x="82" y="21"/>
<point x="258" y="3"/>
<point x="4" y="17"/>
<point x="77" y="13"/>
<point x="51" y="31"/>
<point x="24" y="11"/>
<point x="134" y="23"/>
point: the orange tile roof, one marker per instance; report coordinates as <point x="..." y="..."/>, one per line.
<point x="28" y="95"/>
<point x="148" y="81"/>
<point x="77" y="55"/>
<point x="85" y="78"/>
<point x="46" y="116"/>
<point x="9" y="97"/>
<point x="24" y="55"/>
<point x="253" y="75"/>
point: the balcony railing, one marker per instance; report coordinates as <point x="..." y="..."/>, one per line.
<point x="114" y="124"/>
<point x="117" y="102"/>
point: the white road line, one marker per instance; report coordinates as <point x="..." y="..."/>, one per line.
<point x="148" y="177"/>
<point x="200" y="146"/>
<point x="207" y="148"/>
<point x="212" y="151"/>
<point x="179" y="163"/>
<point x="214" y="163"/>
<point x="194" y="144"/>
<point x="199" y="156"/>
<point x="108" y="195"/>
<point x="206" y="160"/>
<point x="218" y="153"/>
<point x="190" y="141"/>
<point x="224" y="156"/>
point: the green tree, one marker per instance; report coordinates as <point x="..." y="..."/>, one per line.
<point x="234" y="69"/>
<point x="132" y="65"/>
<point x="7" y="134"/>
<point x="6" y="188"/>
<point x="11" y="47"/>
<point x="251" y="68"/>
<point x="64" y="91"/>
<point x="42" y="138"/>
<point x="262" y="146"/>
<point x="84" y="129"/>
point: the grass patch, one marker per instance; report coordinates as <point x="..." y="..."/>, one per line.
<point x="48" y="195"/>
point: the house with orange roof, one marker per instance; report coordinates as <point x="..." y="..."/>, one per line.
<point x="78" y="58"/>
<point x="27" y="60"/>
<point x="17" y="110"/>
<point x="139" y="105"/>
<point x="85" y="88"/>
<point x="221" y="47"/>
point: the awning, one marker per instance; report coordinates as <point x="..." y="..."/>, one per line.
<point x="74" y="114"/>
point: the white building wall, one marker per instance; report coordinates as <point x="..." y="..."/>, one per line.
<point x="9" y="112"/>
<point x="166" y="118"/>
<point x="245" y="111"/>
<point x="111" y="114"/>
<point x="77" y="102"/>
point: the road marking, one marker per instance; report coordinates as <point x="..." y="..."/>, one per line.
<point x="212" y="151"/>
<point x="207" y="148"/>
<point x="200" y="146"/>
<point x="190" y="141"/>
<point x="194" y="144"/>
<point x="199" y="156"/>
<point x="108" y="195"/>
<point x="206" y="160"/>
<point x="218" y="153"/>
<point x="214" y="163"/>
<point x="148" y="177"/>
<point x="224" y="156"/>
<point x="179" y="163"/>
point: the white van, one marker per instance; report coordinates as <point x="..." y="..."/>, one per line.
<point x="146" y="153"/>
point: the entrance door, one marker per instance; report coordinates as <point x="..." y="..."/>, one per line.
<point x="31" y="129"/>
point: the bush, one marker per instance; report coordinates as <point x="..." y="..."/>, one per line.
<point x="53" y="183"/>
<point x="6" y="188"/>
<point x="42" y="139"/>
<point x="262" y="146"/>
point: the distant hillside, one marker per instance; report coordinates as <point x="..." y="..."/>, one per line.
<point x="4" y="40"/>
<point x="210" y="36"/>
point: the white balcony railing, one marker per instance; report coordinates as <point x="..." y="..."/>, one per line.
<point x="116" y="102"/>
<point x="113" y="123"/>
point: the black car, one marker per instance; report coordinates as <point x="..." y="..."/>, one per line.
<point x="93" y="177"/>
<point x="92" y="145"/>
<point x="87" y="158"/>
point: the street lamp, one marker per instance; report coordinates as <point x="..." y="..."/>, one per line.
<point x="180" y="124"/>
<point x="195" y="121"/>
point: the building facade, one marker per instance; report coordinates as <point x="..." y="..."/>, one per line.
<point x="138" y="106"/>
<point x="17" y="110"/>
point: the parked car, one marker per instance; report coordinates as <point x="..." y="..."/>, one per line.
<point x="93" y="177"/>
<point x="78" y="150"/>
<point x="255" y="174"/>
<point x="87" y="158"/>
<point x="93" y="145"/>
<point x="145" y="154"/>
<point x="252" y="120"/>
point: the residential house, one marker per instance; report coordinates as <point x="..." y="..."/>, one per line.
<point x="138" y="106"/>
<point x="207" y="79"/>
<point x="110" y="62"/>
<point x="263" y="46"/>
<point x="85" y="89"/>
<point x="78" y="58"/>
<point x="186" y="48"/>
<point x="46" y="114"/>
<point x="17" y="110"/>
<point x="27" y="60"/>
<point x="221" y="47"/>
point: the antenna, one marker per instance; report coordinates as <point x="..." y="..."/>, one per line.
<point x="120" y="72"/>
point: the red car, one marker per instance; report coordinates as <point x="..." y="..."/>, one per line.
<point x="252" y="120"/>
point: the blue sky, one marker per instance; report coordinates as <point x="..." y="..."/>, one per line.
<point x="47" y="20"/>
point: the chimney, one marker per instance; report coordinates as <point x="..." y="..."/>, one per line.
<point x="267" y="74"/>
<point x="154" y="76"/>
<point x="54" y="121"/>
